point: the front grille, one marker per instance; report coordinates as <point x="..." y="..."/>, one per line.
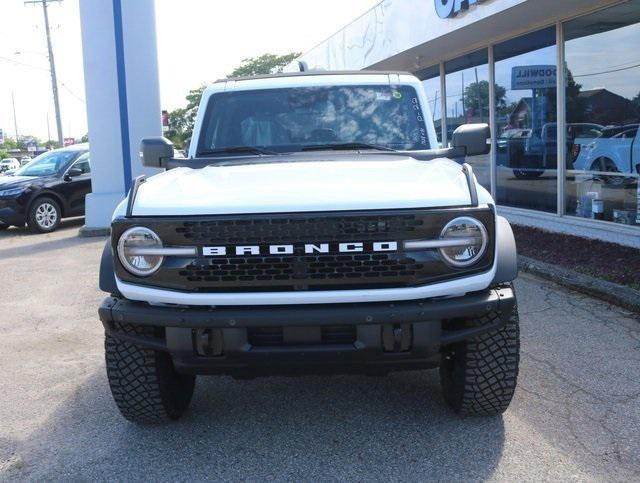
<point x="278" y="336"/>
<point x="259" y="230"/>
<point x="291" y="269"/>
<point x="301" y="271"/>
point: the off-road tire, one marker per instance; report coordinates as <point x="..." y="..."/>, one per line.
<point x="479" y="376"/>
<point x="144" y="383"/>
<point x="32" y="221"/>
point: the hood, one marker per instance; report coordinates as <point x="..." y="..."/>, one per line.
<point x="323" y="185"/>
<point x="7" y="182"/>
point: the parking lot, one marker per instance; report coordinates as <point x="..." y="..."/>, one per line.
<point x="576" y="414"/>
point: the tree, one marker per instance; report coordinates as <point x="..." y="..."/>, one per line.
<point x="9" y="143"/>
<point x="181" y="120"/>
<point x="265" y="64"/>
<point x="476" y="98"/>
<point x="576" y="105"/>
<point x="636" y="102"/>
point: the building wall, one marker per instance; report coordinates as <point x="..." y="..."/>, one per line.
<point x="558" y="147"/>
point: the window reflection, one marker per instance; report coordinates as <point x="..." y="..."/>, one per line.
<point x="431" y="84"/>
<point x="467" y="82"/>
<point x="603" y="114"/>
<point x="526" y="124"/>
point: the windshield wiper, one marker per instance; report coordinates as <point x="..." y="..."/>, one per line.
<point x="237" y="150"/>
<point x="345" y="147"/>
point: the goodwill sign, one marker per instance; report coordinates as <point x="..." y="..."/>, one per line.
<point x="533" y="77"/>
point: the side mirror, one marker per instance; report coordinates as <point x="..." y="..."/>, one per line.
<point x="73" y="172"/>
<point x="155" y="152"/>
<point x="473" y="139"/>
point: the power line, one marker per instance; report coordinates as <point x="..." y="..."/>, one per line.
<point x="607" y="71"/>
<point x="7" y="59"/>
<point x="81" y="99"/>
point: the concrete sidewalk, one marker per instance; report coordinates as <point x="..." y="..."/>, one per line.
<point x="576" y="414"/>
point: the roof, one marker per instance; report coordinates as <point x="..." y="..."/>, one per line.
<point x="312" y="73"/>
<point x="591" y="93"/>
<point x="74" y="147"/>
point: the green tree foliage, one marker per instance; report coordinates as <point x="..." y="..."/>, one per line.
<point x="9" y="143"/>
<point x="476" y="98"/>
<point x="265" y="64"/>
<point x="181" y="120"/>
<point x="576" y="105"/>
<point x="636" y="102"/>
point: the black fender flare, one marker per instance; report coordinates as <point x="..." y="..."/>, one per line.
<point x="506" y="253"/>
<point x="107" y="274"/>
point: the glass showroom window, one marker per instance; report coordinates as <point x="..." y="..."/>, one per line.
<point x="603" y="114"/>
<point x="467" y="86"/>
<point x="431" y="83"/>
<point x="526" y="128"/>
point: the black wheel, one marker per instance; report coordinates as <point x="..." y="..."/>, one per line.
<point x="44" y="215"/>
<point x="479" y="376"/>
<point x="605" y="165"/>
<point x="144" y="383"/>
<point x="528" y="173"/>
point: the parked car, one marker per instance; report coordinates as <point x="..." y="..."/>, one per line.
<point x="530" y="152"/>
<point x="51" y="187"/>
<point x="616" y="150"/>
<point x="24" y="160"/>
<point x="9" y="163"/>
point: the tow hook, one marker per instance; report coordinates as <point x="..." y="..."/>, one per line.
<point x="397" y="337"/>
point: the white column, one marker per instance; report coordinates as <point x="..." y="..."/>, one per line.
<point x="443" y="104"/>
<point x="562" y="118"/>
<point x="123" y="97"/>
<point x="493" y="122"/>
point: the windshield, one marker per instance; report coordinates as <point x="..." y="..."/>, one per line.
<point x="292" y="119"/>
<point x="47" y="164"/>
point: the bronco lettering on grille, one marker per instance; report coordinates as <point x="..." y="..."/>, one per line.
<point x="306" y="248"/>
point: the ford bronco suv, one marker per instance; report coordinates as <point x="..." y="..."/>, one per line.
<point x="313" y="228"/>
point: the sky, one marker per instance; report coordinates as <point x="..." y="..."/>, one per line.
<point x="199" y="41"/>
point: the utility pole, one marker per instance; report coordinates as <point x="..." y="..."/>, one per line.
<point x="52" y="66"/>
<point x="15" y="119"/>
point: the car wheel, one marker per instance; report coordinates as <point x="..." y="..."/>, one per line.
<point x="528" y="173"/>
<point x="479" y="376"/>
<point x="605" y="165"/>
<point x="44" y="215"/>
<point x="144" y="383"/>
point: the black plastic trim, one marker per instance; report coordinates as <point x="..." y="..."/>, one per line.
<point x="473" y="191"/>
<point x="133" y="192"/>
<point x="114" y="309"/>
<point x="107" y="275"/>
<point x="507" y="253"/>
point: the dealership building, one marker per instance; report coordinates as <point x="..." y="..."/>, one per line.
<point x="566" y="155"/>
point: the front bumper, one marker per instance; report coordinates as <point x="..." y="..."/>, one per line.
<point x="12" y="212"/>
<point x="388" y="336"/>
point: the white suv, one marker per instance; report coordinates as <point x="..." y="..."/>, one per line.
<point x="313" y="228"/>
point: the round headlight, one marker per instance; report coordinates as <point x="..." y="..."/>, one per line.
<point x="468" y="238"/>
<point x="133" y="251"/>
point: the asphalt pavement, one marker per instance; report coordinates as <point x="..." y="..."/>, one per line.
<point x="575" y="416"/>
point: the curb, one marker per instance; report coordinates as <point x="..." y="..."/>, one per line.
<point x="614" y="293"/>
<point x="86" y="232"/>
